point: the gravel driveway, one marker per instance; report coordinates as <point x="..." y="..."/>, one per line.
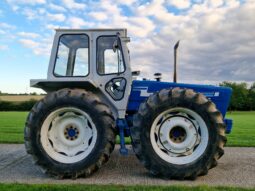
<point x="236" y="168"/>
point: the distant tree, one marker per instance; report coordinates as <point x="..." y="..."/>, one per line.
<point x="251" y="96"/>
<point x="240" y="96"/>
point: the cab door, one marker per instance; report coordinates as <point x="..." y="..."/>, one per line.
<point x="111" y="68"/>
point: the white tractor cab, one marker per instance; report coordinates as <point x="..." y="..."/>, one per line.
<point x="96" y="60"/>
<point x="176" y="130"/>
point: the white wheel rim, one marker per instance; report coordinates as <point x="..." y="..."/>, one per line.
<point x="68" y="135"/>
<point x="179" y="136"/>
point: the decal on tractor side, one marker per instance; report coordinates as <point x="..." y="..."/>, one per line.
<point x="143" y="91"/>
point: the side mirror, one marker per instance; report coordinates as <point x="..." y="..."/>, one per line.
<point x="115" y="45"/>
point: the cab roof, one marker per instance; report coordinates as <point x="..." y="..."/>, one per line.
<point x="123" y="30"/>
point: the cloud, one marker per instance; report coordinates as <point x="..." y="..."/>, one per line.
<point x="149" y="9"/>
<point x="4" y="47"/>
<point x="52" y="27"/>
<point x="71" y="4"/>
<point x="2" y="32"/>
<point x="28" y="35"/>
<point x="110" y="8"/>
<point x="34" y="14"/>
<point x="183" y="4"/>
<point x="30" y="14"/>
<point x="55" y="7"/>
<point x="44" y="47"/>
<point x="140" y="26"/>
<point x="6" y="26"/>
<point x="215" y="3"/>
<point x="126" y="2"/>
<point x="39" y="46"/>
<point x="77" y="23"/>
<point x="100" y="16"/>
<point x="28" y="2"/>
<point x="29" y="43"/>
<point x="56" y="17"/>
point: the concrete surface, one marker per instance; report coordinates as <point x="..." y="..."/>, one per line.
<point x="236" y="168"/>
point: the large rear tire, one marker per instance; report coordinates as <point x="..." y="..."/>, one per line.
<point x="178" y="134"/>
<point x="70" y="133"/>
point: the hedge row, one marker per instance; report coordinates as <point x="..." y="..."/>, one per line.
<point x="243" y="96"/>
<point x="17" y="106"/>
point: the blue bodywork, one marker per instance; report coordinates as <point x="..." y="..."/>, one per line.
<point x="141" y="90"/>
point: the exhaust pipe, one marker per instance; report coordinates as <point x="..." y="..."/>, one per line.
<point x="175" y="60"/>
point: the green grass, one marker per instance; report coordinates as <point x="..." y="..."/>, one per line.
<point x="26" y="187"/>
<point x="243" y="132"/>
<point x="12" y="126"/>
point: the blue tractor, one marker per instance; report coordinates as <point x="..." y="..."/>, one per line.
<point x="177" y="130"/>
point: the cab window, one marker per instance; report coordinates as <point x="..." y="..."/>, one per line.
<point x="72" y="56"/>
<point x="109" y="56"/>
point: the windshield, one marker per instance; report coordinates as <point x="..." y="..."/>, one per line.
<point x="72" y="56"/>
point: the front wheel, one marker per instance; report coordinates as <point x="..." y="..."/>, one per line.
<point x="178" y="133"/>
<point x="70" y="133"/>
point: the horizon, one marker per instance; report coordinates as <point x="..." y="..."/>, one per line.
<point x="217" y="38"/>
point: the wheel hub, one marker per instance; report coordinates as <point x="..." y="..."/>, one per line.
<point x="177" y="134"/>
<point x="71" y="132"/>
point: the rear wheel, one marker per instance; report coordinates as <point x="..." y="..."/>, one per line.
<point x="70" y="133"/>
<point x="178" y="133"/>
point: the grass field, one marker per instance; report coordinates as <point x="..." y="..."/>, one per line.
<point x="243" y="133"/>
<point x="25" y="187"/>
<point x="19" y="98"/>
<point x="12" y="126"/>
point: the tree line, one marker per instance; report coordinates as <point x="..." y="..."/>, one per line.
<point x="17" y="106"/>
<point x="243" y="96"/>
<point x="20" y="94"/>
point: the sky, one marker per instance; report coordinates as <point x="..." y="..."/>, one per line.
<point x="217" y="37"/>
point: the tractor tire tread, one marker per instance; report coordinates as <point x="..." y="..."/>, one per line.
<point x="174" y="96"/>
<point x="83" y="95"/>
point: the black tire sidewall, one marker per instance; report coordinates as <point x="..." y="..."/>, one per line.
<point x="74" y="102"/>
<point x="164" y="167"/>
